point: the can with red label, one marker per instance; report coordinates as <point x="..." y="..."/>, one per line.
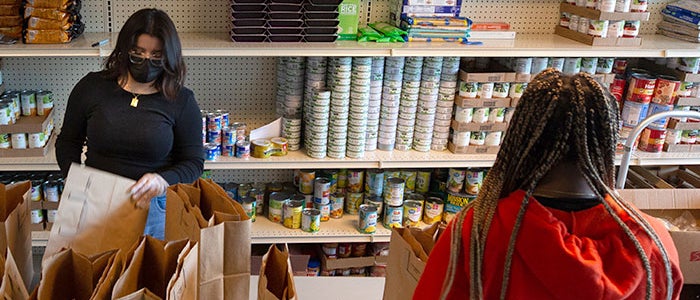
<point x="641" y="88"/>
<point x="666" y="90"/>
<point x="617" y="88"/>
<point x="652" y="140"/>
<point x="620" y="66"/>
<point x="631" y="28"/>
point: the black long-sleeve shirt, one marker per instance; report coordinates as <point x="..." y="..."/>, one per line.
<point x="158" y="135"/>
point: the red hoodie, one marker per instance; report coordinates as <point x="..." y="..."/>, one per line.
<point x="558" y="255"/>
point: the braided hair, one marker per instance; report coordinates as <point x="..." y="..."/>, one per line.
<point x="558" y="117"/>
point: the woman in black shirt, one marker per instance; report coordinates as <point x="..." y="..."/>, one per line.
<point x="136" y="117"/>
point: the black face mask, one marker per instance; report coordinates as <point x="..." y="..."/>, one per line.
<point x="145" y="72"/>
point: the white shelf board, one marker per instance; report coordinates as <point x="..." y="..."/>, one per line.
<point x="39" y="163"/>
<point x="343" y="230"/>
<point x="79" y="47"/>
<point x="220" y="45"/>
<point x="331" y="288"/>
<point x="293" y="160"/>
<point x="432" y="159"/>
<point x="667" y="158"/>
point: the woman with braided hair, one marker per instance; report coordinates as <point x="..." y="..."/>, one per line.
<point x="547" y="223"/>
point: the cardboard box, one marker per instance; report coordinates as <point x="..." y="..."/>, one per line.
<point x="299" y="262"/>
<point x="472" y="149"/>
<point x="346" y="263"/>
<point x="676" y="148"/>
<point x="50" y="205"/>
<point x="458" y="126"/>
<point x="495" y="73"/>
<point x="29" y="124"/>
<point x="37" y="227"/>
<point x="481" y="102"/>
<point x="671" y="203"/>
<point x="349" y="19"/>
<point x="662" y="69"/>
<point x="597" y="41"/>
<point x="594" y="14"/>
<point x="35" y="205"/>
<point x="674" y="123"/>
<point x="33" y="152"/>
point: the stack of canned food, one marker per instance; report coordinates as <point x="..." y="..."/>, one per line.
<point x="27" y="103"/>
<point x="348" y="250"/>
<point x="339" y="75"/>
<point x="391" y="100"/>
<point x="222" y="138"/>
<point x="410" y="93"/>
<point x="604" y="28"/>
<point x="359" y="107"/>
<point x="45" y="194"/>
<point x="446" y="93"/>
<point x="427" y="103"/>
<point x="375" y="103"/>
<point x="316" y="120"/>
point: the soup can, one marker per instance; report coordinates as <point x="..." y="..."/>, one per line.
<point x="310" y="220"/>
<point x="422" y="181"/>
<point x="355" y="181"/>
<point x="455" y="181"/>
<point x="652" y="140"/>
<point x="412" y="213"/>
<point x="393" y="191"/>
<point x="393" y="216"/>
<point x="276" y="206"/>
<point x="249" y="206"/>
<point x="434" y="207"/>
<point x="337" y="204"/>
<point x="376" y="201"/>
<point x="368" y="218"/>
<point x="292" y="214"/>
<point x="322" y="190"/>
<point x="641" y="88"/>
<point x="474" y="179"/>
<point x="306" y="181"/>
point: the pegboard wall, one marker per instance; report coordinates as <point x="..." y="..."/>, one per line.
<point x="251" y="176"/>
<point x="531" y="17"/>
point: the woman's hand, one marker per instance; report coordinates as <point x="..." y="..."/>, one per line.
<point x="149" y="186"/>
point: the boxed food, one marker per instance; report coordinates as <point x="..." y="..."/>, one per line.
<point x="348" y="18"/>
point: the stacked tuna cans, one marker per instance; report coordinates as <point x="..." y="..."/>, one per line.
<point x="375" y="103"/>
<point x="281" y="68"/>
<point x="359" y="106"/>
<point x="391" y="99"/>
<point x="293" y="85"/>
<point x="410" y="92"/>
<point x="316" y="123"/>
<point x="446" y="96"/>
<point x="316" y="68"/>
<point x="339" y="78"/>
<point x="427" y="103"/>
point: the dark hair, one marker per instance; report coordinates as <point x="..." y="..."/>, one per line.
<point x="558" y="118"/>
<point x="157" y="23"/>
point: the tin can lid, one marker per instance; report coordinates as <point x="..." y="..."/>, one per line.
<point x="368" y="208"/>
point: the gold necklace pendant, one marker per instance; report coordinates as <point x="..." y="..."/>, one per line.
<point x="135" y="100"/>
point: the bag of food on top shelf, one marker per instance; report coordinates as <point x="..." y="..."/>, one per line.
<point x="10" y="2"/>
<point x="10" y="10"/>
<point x="48" y="13"/>
<point x="10" y="21"/>
<point x="276" y="280"/>
<point x="15" y="232"/>
<point x="71" y="275"/>
<point x="64" y="5"/>
<point x="48" y="24"/>
<point x="14" y="32"/>
<point x="408" y="252"/>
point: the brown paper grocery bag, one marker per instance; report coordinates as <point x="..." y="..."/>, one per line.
<point x="276" y="281"/>
<point x="408" y="252"/>
<point x="12" y="286"/>
<point x="71" y="275"/>
<point x="142" y="294"/>
<point x="183" y="284"/>
<point x="151" y="266"/>
<point x="105" y="284"/>
<point x="224" y="258"/>
<point x="95" y="214"/>
<point x="183" y="219"/>
<point x="15" y="233"/>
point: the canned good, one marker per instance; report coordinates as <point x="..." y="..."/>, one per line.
<point x="51" y="215"/>
<point x="474" y="179"/>
<point x="28" y="103"/>
<point x="641" y="88"/>
<point x="292" y="213"/>
<point x="633" y="113"/>
<point x="249" y="206"/>
<point x="374" y="184"/>
<point x="393" y="191"/>
<point x="310" y="220"/>
<point x="322" y="190"/>
<point x="306" y="181"/>
<point x="583" y="24"/>
<point x="376" y="201"/>
<point x="589" y="65"/>
<point x="261" y="148"/>
<point x="422" y="181"/>
<point x="37" y="216"/>
<point x="409" y="177"/>
<point x="243" y="149"/>
<point x="485" y="90"/>
<point x="689" y="136"/>
<point x="367" y="218"/>
<point x="325" y="210"/>
<point x="652" y="140"/>
<point x="493" y="138"/>
<point x="481" y="115"/>
<point x="211" y="151"/>
<point x="623" y="5"/>
<point x="572" y="65"/>
<point x="617" y="87"/>
<point x="353" y="202"/>
<point x="455" y="202"/>
<point x="355" y="181"/>
<point x="478" y="138"/>
<point x="689" y="64"/>
<point x="598" y="28"/>
<point x="631" y="28"/>
<point x="468" y="89"/>
<point x="639" y="5"/>
<point x="433" y="210"/>
<point x="51" y="193"/>
<point x="412" y="213"/>
<point x="501" y="89"/>
<point x="393" y="216"/>
<point x="455" y="181"/>
<point x="276" y="205"/>
<point x="337" y="204"/>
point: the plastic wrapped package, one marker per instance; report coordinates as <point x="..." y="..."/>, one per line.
<point x="64" y="5"/>
<point x="12" y="32"/>
<point x="50" y="13"/>
<point x="10" y="21"/>
<point x="42" y="36"/>
<point x="10" y="2"/>
<point x="41" y="23"/>
<point x="9" y="10"/>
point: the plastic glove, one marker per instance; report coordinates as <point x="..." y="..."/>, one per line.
<point x="149" y="186"/>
